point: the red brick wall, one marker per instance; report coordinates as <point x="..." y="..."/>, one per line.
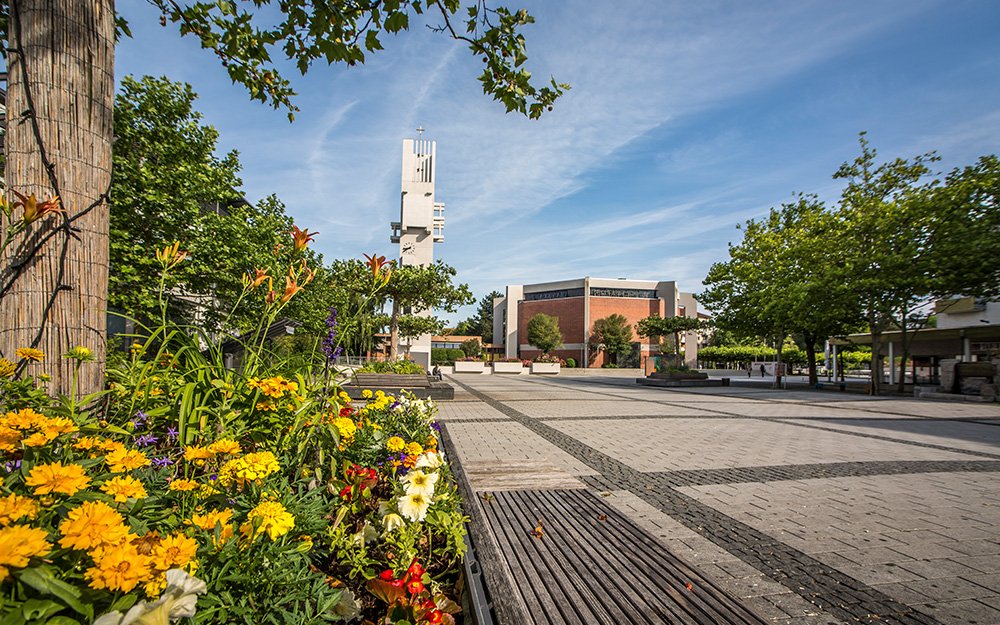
<point x="569" y="311"/>
<point x="632" y="309"/>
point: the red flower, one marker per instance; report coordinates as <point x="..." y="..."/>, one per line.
<point x="345" y="493"/>
<point x="345" y="411"/>
<point x="415" y="570"/>
<point x="386" y="575"/>
<point x="435" y="616"/>
<point x="415" y="586"/>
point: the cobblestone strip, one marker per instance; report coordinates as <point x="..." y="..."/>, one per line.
<point x="823" y="586"/>
<point x="476" y="420"/>
<point x="776" y="473"/>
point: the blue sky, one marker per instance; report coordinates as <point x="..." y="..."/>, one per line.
<point x="685" y="119"/>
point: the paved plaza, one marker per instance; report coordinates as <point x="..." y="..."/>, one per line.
<point x="810" y="507"/>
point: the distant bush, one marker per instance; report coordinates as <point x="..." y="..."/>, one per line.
<point x="472" y="347"/>
<point x="392" y="366"/>
<point x="609" y="365"/>
<point x="446" y="355"/>
<point x="570" y="363"/>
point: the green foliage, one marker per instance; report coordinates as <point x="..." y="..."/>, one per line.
<point x="391" y="366"/>
<point x="414" y="287"/>
<point x="446" y="355"/>
<point x="614" y="333"/>
<point x="655" y="325"/>
<point x="481" y="323"/>
<point x="571" y="363"/>
<point x="543" y="332"/>
<point x="472" y="347"/>
<point x="244" y="36"/>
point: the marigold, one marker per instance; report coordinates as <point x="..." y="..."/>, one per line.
<point x="92" y="525"/>
<point x="122" y="460"/>
<point x="174" y="551"/>
<point x="345" y="427"/>
<point x="124" y="487"/>
<point x="197" y="454"/>
<point x="7" y="368"/>
<point x="18" y="544"/>
<point x="30" y="353"/>
<point x="414" y="449"/>
<point x="183" y="485"/>
<point x="366" y="394"/>
<point x="252" y="467"/>
<point x="15" y="507"/>
<point x="225" y="446"/>
<point x="210" y="519"/>
<point x="56" y="477"/>
<point x="395" y="444"/>
<point x="268" y="517"/>
<point x="118" y="567"/>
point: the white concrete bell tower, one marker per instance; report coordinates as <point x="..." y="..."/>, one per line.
<point x="420" y="225"/>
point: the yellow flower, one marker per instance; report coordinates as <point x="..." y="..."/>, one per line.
<point x="420" y="482"/>
<point x="210" y="519"/>
<point x="30" y="353"/>
<point x="7" y="368"/>
<point x="197" y="454"/>
<point x="154" y="588"/>
<point x="250" y="468"/>
<point x="9" y="439"/>
<point x="225" y="446"/>
<point x="18" y="544"/>
<point x="183" y="485"/>
<point x="79" y="353"/>
<point x="395" y="444"/>
<point x="266" y="405"/>
<point x="14" y="507"/>
<point x="38" y="439"/>
<point x="124" y="487"/>
<point x="174" y="551"/>
<point x="414" y="449"/>
<point x="270" y="517"/>
<point x="56" y="477"/>
<point x="92" y="525"/>
<point x="345" y="426"/>
<point x="122" y="460"/>
<point x="25" y="419"/>
<point x="118" y="567"/>
<point x="366" y="394"/>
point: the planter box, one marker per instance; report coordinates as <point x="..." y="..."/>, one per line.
<point x="507" y="367"/>
<point x="692" y="375"/>
<point x="550" y="368"/>
<point x="470" y="366"/>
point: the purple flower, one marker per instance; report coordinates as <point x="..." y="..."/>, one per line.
<point x="162" y="462"/>
<point x="213" y="477"/>
<point x="139" y="420"/>
<point x="12" y="466"/>
<point x="330" y="347"/>
<point x="146" y="440"/>
<point x="171" y="433"/>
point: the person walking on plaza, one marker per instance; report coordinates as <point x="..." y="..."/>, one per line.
<point x="763" y="370"/>
<point x="749" y="370"/>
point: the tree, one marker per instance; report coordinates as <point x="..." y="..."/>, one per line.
<point x="61" y="75"/>
<point x="481" y="323"/>
<point x="543" y="332"/>
<point x="416" y="288"/>
<point x="472" y="347"/>
<point x="655" y="326"/>
<point x="614" y="333"/>
<point x="881" y="229"/>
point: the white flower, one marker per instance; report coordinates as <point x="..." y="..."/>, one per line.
<point x="179" y="600"/>
<point x="392" y="522"/>
<point x="420" y="482"/>
<point x="429" y="460"/>
<point x="414" y="506"/>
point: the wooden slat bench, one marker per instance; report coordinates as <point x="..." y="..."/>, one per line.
<point x="591" y="564"/>
<point x="421" y="385"/>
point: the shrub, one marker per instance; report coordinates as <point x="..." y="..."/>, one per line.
<point x="543" y="332"/>
<point x="392" y="366"/>
<point x="472" y="347"/>
<point x="571" y="363"/>
<point x="549" y="358"/>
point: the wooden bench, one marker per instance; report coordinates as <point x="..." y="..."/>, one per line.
<point x="392" y="380"/>
<point x="564" y="556"/>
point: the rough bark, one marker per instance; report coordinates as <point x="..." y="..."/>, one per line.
<point x="394" y="331"/>
<point x="59" y="133"/>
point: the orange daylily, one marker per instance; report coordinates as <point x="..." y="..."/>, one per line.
<point x="302" y="238"/>
<point x="291" y="288"/>
<point x="170" y="255"/>
<point x="257" y="279"/>
<point x="377" y="264"/>
<point x="35" y="210"/>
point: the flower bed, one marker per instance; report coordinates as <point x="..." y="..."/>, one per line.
<point x="262" y="495"/>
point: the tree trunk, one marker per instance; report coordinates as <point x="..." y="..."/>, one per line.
<point x="59" y="131"/>
<point x="876" y="375"/>
<point x="777" y="364"/>
<point x="811" y="357"/>
<point x="394" y="332"/>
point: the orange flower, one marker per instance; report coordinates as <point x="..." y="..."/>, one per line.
<point x="258" y="278"/>
<point x="302" y="238"/>
<point x="35" y="210"/>
<point x="170" y="256"/>
<point x="291" y="288"/>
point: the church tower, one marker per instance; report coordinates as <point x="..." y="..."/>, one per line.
<point x="420" y="225"/>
